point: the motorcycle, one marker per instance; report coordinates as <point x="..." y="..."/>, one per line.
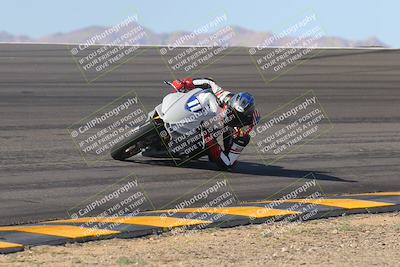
<point x="179" y="114"/>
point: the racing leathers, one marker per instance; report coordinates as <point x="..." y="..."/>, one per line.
<point x="235" y="136"/>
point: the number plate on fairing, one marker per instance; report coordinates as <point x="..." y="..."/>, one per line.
<point x="193" y="104"/>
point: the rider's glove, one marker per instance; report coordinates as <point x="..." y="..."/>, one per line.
<point x="188" y="84"/>
<point x="183" y="85"/>
<point x="240" y="136"/>
<point x="238" y="132"/>
<point x="178" y="85"/>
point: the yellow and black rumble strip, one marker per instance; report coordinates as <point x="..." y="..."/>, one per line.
<point x="16" y="238"/>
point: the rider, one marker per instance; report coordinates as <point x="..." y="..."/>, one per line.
<point x="236" y="136"/>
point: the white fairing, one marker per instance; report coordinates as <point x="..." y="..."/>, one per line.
<point x="173" y="106"/>
<point x="183" y="112"/>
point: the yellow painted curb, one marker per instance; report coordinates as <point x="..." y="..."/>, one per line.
<point x="7" y="245"/>
<point x="385" y="194"/>
<point x="157" y="221"/>
<point x="255" y="212"/>
<point x="67" y="231"/>
<point x="345" y="203"/>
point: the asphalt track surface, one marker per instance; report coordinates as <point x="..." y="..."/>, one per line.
<point x="42" y="92"/>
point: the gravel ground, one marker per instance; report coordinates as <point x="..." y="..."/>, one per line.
<point x="358" y="240"/>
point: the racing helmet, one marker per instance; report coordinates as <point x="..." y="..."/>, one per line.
<point x="242" y="105"/>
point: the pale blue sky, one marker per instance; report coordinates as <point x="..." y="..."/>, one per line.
<point x="352" y="19"/>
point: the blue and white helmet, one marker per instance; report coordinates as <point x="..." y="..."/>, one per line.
<point x="243" y="106"/>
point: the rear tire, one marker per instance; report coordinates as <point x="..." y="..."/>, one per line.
<point x="134" y="144"/>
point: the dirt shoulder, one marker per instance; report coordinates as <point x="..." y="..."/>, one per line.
<point x="364" y="240"/>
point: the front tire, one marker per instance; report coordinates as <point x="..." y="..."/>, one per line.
<point x="134" y="144"/>
<point x="122" y="154"/>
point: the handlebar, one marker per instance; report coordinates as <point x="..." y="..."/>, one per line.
<point x="169" y="83"/>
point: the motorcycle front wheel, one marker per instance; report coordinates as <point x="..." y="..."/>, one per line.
<point x="133" y="145"/>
